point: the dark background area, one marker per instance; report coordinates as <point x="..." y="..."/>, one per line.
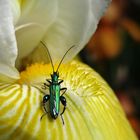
<point x="114" y="52"/>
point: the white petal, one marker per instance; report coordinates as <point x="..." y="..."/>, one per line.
<point x="15" y="7"/>
<point x="76" y="22"/>
<point x="36" y="17"/>
<point x="8" y="48"/>
<point x="59" y="23"/>
<point x="28" y="37"/>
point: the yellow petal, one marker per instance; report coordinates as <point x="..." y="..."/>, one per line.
<point x="93" y="112"/>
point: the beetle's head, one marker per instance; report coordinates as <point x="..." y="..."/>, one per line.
<point x="55" y="76"/>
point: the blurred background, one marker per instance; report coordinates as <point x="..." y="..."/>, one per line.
<point x="114" y="52"/>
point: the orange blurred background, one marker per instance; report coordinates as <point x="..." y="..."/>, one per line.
<point x="114" y="52"/>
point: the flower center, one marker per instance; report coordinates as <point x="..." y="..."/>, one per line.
<point x="35" y="74"/>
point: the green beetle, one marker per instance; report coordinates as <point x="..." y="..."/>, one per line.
<point x="54" y="85"/>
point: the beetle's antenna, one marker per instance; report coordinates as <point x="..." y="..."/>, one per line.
<point x="48" y="54"/>
<point x="64" y="57"/>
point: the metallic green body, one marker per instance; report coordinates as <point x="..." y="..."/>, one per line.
<point x="54" y="89"/>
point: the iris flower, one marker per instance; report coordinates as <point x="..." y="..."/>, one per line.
<point x="93" y="112"/>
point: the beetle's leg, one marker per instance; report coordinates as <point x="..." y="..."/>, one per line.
<point x="44" y="86"/>
<point x="45" y="100"/>
<point x="60" y="81"/>
<point x="62" y="88"/>
<point x="64" y="103"/>
<point x="65" y="89"/>
<point x="49" y="80"/>
<point x="43" y="116"/>
<point x="62" y="119"/>
<point x="44" y="113"/>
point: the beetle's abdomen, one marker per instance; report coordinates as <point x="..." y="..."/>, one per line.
<point x="54" y="100"/>
<point x="54" y="114"/>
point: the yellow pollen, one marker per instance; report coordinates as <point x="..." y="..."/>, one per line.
<point x="35" y="73"/>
